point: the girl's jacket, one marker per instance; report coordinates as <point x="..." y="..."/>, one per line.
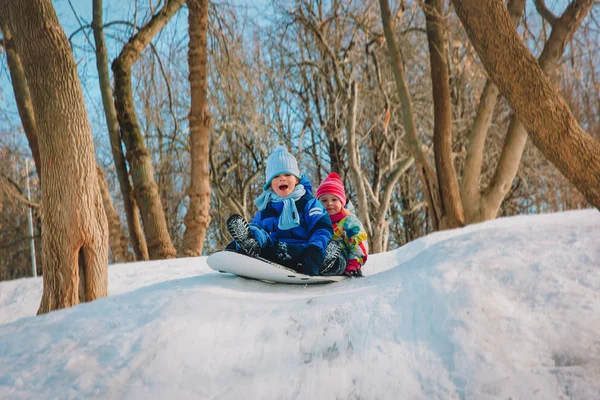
<point x="315" y="225"/>
<point x="349" y="232"/>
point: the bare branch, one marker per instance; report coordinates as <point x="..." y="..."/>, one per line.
<point x="540" y="6"/>
<point x="81" y="27"/>
<point x="374" y="198"/>
<point x="169" y="92"/>
<point x="11" y="188"/>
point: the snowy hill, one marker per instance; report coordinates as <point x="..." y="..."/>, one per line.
<point x="505" y="309"/>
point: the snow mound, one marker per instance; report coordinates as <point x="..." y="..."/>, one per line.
<point x="506" y="308"/>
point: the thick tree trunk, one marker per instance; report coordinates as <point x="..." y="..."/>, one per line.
<point x="426" y="174"/>
<point x="74" y="227"/>
<point x="22" y="97"/>
<point x="145" y="190"/>
<point x="452" y="211"/>
<point x="197" y="218"/>
<point x="516" y="139"/>
<point x="136" y="235"/>
<point x="484" y="207"/>
<point x="25" y="108"/>
<point x="549" y="121"/>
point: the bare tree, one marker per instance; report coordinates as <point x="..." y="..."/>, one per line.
<point x="136" y="235"/>
<point x="15" y="238"/>
<point x="452" y="209"/>
<point x="244" y="129"/>
<point x="426" y="173"/>
<point x="75" y="231"/>
<point x="485" y="205"/>
<point x="375" y="218"/>
<point x="119" y="251"/>
<point x="354" y="164"/>
<point x="26" y="114"/>
<point x="322" y="56"/>
<point x="550" y="123"/>
<point x="476" y="204"/>
<point x="145" y="190"/>
<point x="197" y="218"/>
<point x="321" y="49"/>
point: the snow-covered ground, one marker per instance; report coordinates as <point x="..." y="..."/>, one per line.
<point x="505" y="309"/>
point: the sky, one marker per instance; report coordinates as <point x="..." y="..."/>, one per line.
<point x="117" y="10"/>
<point x="504" y="309"/>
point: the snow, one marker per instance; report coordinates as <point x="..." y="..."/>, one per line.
<point x="503" y="309"/>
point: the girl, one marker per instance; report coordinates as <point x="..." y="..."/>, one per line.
<point x="347" y="229"/>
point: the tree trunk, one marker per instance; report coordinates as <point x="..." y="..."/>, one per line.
<point x="388" y="191"/>
<point x="452" y="211"/>
<point x="22" y="97"/>
<point x="353" y="161"/>
<point x="549" y="121"/>
<point x="145" y="190"/>
<point x="474" y="205"/>
<point x="412" y="228"/>
<point x="516" y="139"/>
<point x="74" y="226"/>
<point x="426" y="174"/>
<point x="117" y="240"/>
<point x="336" y="154"/>
<point x="378" y="231"/>
<point x="136" y="235"/>
<point x="197" y="218"/>
<point x="471" y="195"/>
<point x="25" y="108"/>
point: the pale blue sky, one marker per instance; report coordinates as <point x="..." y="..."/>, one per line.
<point x="120" y="10"/>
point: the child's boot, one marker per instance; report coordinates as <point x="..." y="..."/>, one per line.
<point x="335" y="260"/>
<point x="240" y="231"/>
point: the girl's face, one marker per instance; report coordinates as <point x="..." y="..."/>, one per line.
<point x="283" y="185"/>
<point x="332" y="204"/>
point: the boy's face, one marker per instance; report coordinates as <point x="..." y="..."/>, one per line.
<point x="332" y="204"/>
<point x="283" y="185"/>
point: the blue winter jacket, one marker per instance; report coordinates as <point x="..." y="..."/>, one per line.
<point x="315" y="225"/>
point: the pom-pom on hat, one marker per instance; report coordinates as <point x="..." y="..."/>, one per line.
<point x="280" y="162"/>
<point x="332" y="185"/>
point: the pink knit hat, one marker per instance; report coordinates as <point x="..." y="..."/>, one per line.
<point x="332" y="185"/>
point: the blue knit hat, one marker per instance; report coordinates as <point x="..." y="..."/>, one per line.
<point x="280" y="162"/>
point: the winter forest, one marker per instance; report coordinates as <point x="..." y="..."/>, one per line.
<point x="131" y="130"/>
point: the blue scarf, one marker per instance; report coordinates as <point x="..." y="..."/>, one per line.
<point x="289" y="217"/>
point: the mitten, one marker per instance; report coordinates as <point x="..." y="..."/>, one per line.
<point x="259" y="234"/>
<point x="312" y="258"/>
<point x="353" y="269"/>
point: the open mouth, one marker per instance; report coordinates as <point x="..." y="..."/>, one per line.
<point x="283" y="187"/>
